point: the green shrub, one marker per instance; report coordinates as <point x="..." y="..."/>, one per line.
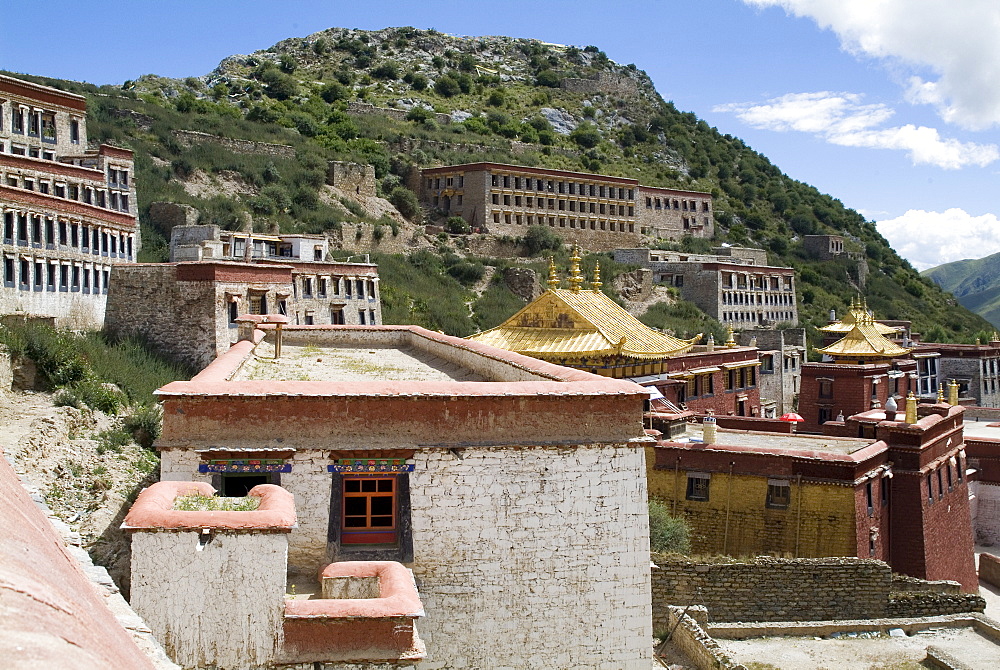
<point x="540" y="239"/>
<point x="405" y="200"/>
<point x="446" y="86"/>
<point x="144" y="424"/>
<point x="456" y="225"/>
<point x="667" y="534"/>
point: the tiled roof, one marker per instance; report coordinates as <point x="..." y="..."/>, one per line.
<point x="580" y="324"/>
<point x="856" y="314"/>
<point x="864" y="340"/>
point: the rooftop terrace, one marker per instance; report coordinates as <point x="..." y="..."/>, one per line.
<point x="351" y="362"/>
<point x="779" y="442"/>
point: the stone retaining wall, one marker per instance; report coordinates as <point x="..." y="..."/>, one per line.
<point x="697" y="645"/>
<point x="191" y="137"/>
<point x="806" y="589"/>
<point x="910" y="605"/>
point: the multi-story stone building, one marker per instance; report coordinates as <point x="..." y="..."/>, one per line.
<point x="666" y="213"/>
<point x="190" y="309"/>
<point x="781" y="353"/>
<point x="598" y="212"/>
<point x="68" y="212"/>
<point x="735" y="286"/>
<point x="974" y="367"/>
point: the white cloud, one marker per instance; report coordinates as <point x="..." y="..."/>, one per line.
<point x="927" y="239"/>
<point x="842" y="118"/>
<point x="959" y="41"/>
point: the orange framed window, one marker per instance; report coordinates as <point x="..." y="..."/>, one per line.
<point x="369" y="510"/>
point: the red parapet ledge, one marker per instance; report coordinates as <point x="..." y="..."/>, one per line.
<point x="360" y="629"/>
<point x="153" y="510"/>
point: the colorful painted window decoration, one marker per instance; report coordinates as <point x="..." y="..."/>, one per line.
<point x="246" y="465"/>
<point x="370" y="465"/>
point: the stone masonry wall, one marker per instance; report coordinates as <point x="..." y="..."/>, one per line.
<point x="191" y="137"/>
<point x="352" y="177"/>
<point x="540" y="556"/>
<point x="145" y="300"/>
<point x="809" y="589"/>
<point x="229" y="603"/>
<point x="773" y="589"/>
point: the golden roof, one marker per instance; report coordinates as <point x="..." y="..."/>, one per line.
<point x="857" y="312"/>
<point x="576" y="323"/>
<point x="864" y="340"/>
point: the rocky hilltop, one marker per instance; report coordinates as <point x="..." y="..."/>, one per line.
<point x="248" y="145"/>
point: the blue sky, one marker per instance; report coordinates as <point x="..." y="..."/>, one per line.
<point x="892" y="106"/>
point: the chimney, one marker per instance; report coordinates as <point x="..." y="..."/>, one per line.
<point x="708" y="430"/>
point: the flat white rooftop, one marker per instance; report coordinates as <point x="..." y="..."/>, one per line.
<point x="350" y="363"/>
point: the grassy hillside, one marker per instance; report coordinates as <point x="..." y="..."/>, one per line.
<point x="975" y="282"/>
<point x="498" y="90"/>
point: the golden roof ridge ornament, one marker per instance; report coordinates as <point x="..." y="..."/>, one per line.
<point x="596" y="284"/>
<point x="553" y="281"/>
<point x="730" y="342"/>
<point x="575" y="278"/>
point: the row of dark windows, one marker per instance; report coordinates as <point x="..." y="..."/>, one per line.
<point x="735" y="298"/>
<point x="37" y="123"/>
<point x="756" y="317"/>
<point x="28" y="275"/>
<point x="779" y="491"/>
<point x="351" y="288"/>
<point x="563" y="205"/>
<point x="569" y="188"/>
<point x="562" y="222"/>
<point x="35" y="231"/>
<point x="683" y="205"/>
<point x="114" y="200"/>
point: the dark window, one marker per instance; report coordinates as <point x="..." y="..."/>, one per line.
<point x="884" y="490"/>
<point x="697" y="486"/>
<point x="825" y="388"/>
<point x="930" y="488"/>
<point x="369" y="511"/>
<point x="779" y="494"/>
<point x="74" y="131"/>
<point x="237" y="486"/>
<point x="337" y="317"/>
<point x="868" y="497"/>
<point x="940" y="479"/>
<point x="825" y="414"/>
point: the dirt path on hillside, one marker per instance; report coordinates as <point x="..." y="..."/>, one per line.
<point x="71" y="458"/>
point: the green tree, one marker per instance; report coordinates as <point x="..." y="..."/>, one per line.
<point x="667" y="534"/>
<point x="586" y="135"/>
<point x="405" y="200"/>
<point x="447" y="86"/>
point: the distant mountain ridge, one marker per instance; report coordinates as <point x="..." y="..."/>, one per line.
<point x="975" y="282"/>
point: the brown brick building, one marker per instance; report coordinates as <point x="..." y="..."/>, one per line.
<point x="68" y="212"/>
<point x="598" y="212"/>
<point x="871" y="486"/>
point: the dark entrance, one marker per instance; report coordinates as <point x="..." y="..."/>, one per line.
<point x="237" y="486"/>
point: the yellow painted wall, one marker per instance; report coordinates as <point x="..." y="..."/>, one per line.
<point x="825" y="525"/>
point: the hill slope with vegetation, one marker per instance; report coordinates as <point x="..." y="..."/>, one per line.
<point x="508" y="100"/>
<point x="975" y="282"/>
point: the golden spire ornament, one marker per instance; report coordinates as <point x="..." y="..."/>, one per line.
<point x="575" y="278"/>
<point x="553" y="281"/>
<point x="730" y="341"/>
<point x="596" y="284"/>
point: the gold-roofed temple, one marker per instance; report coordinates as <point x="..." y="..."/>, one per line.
<point x="585" y="329"/>
<point x="864" y="341"/>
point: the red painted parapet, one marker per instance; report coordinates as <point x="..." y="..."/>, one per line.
<point x="357" y="629"/>
<point x="154" y="510"/>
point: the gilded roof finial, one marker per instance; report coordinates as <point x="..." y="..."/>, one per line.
<point x="596" y="284"/>
<point x="940" y="397"/>
<point x="952" y="392"/>
<point x="911" y="408"/>
<point x="553" y="277"/>
<point x="730" y="342"/>
<point x="575" y="278"/>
